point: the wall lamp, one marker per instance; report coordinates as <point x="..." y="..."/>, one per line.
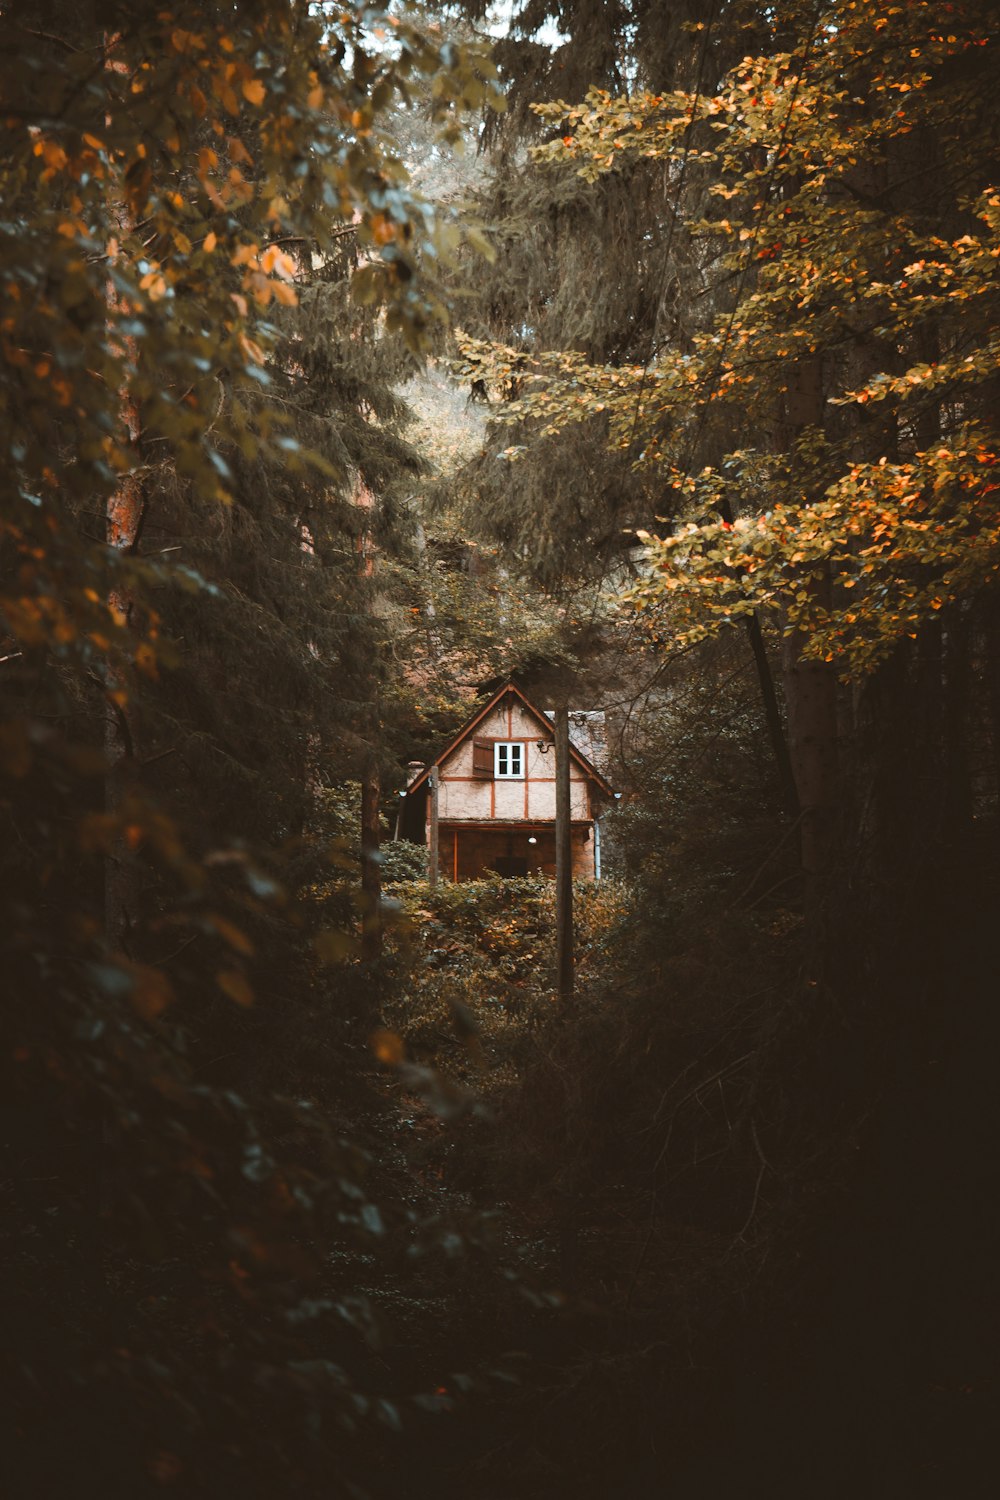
<point x="544" y="746"/>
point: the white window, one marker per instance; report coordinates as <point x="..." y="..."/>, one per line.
<point x="508" y="760"/>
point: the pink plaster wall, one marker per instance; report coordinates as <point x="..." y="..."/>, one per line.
<point x="463" y="797"/>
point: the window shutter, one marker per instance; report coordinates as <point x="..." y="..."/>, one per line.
<point x="482" y="759"/>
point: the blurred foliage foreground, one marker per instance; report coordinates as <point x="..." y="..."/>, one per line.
<point x="184" y="1212"/>
<point x="498" y="1244"/>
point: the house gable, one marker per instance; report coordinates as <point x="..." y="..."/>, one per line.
<point x="509" y="716"/>
<point x="496" y="797"/>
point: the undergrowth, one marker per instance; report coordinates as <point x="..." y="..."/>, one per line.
<point x="477" y="958"/>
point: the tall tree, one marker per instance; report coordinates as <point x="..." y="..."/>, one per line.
<point x="600" y="266"/>
<point x="839" y="265"/>
<point x="226" y="172"/>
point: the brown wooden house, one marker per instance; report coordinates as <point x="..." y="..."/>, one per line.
<point x="496" y="798"/>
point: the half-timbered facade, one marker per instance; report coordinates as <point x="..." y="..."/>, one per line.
<point x="496" y="793"/>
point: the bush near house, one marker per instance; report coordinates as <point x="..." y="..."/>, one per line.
<point x="479" y="957"/>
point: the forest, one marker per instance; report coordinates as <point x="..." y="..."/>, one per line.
<point x="357" y="359"/>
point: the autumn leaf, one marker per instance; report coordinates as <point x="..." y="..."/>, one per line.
<point x="387" y="1046"/>
<point x="234" y="984"/>
<point x="151" y="991"/>
<point x="234" y="936"/>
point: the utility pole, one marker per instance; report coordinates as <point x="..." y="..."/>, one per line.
<point x="566" y="1196"/>
<point x="432" y="863"/>
<point x="564" y="861"/>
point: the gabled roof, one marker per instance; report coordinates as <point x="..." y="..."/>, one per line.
<point x="587" y="734"/>
<point x="511" y="689"/>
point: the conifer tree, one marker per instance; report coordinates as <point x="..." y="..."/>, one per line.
<point x="822" y="445"/>
<point x="209" y="267"/>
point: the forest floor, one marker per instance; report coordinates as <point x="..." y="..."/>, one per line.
<point x="655" y="1244"/>
<point x="571" y="1320"/>
<point x="548" y="1300"/>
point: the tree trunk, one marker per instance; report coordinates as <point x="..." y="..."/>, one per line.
<point x="811" y="696"/>
<point x="371" y="874"/>
<point x="957" y="684"/>
<point x="991" y="626"/>
<point x="564" y="860"/>
<point x="772" y="715"/>
<point x="810" y="686"/>
<point x="769" y="699"/>
<point x="123" y="527"/>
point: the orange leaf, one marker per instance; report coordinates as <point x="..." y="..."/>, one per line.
<point x="383" y="229"/>
<point x="252" y="350"/>
<point x="232" y="983"/>
<point x="151" y="990"/>
<point x="234" y="936"/>
<point x="387" y="1047"/>
<point x="259" y="288"/>
<point x="145" y="660"/>
<point x="277" y="261"/>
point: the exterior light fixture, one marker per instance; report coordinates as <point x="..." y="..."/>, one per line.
<point x="532" y="839"/>
<point x="544" y="746"/>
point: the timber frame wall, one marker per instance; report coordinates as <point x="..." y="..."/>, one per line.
<point x="485" y="821"/>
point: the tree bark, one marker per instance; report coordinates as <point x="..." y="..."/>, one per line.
<point x="564" y="861"/>
<point x="371" y="874"/>
<point x="991" y="627"/>
<point x="769" y="699"/>
<point x="772" y="716"/>
<point x="810" y="686"/>
<point x="123" y="527"/>
<point x="811" y="696"/>
<point x="957" y="684"/>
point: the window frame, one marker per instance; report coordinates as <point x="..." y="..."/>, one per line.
<point x="521" y="758"/>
